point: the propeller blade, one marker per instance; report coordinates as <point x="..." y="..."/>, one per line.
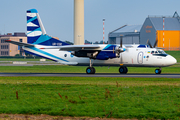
<point x="149" y="43"/>
<point x="121" y="42"/>
<point x="155" y="43"/>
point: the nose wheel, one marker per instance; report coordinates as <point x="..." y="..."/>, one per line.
<point x="123" y="70"/>
<point x="158" y="71"/>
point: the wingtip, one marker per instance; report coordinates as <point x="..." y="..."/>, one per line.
<point x="7" y="40"/>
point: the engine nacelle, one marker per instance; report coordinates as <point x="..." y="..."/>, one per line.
<point x="104" y="55"/>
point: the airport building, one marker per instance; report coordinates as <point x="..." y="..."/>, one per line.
<point x="8" y="49"/>
<point x="130" y="35"/>
<point x="165" y="29"/>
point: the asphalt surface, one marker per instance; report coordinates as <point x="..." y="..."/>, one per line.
<point x="94" y="75"/>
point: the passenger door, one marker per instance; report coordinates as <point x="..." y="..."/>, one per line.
<point x="140" y="58"/>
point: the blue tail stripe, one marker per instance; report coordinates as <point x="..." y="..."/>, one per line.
<point x="30" y="20"/>
<point x="31" y="28"/>
<point x="42" y="38"/>
<point x="38" y="29"/>
<point x="31" y="40"/>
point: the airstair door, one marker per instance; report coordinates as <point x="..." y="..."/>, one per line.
<point x="140" y="57"/>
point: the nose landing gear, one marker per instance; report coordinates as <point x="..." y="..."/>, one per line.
<point x="158" y="71"/>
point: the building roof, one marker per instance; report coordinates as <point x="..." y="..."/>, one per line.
<point x="170" y="23"/>
<point x="128" y="28"/>
<point x="16" y="34"/>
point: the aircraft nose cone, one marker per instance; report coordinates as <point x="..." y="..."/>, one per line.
<point x="171" y="60"/>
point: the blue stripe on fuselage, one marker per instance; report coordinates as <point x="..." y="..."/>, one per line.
<point x="46" y="53"/>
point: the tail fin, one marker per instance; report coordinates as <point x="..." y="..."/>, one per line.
<point x="36" y="34"/>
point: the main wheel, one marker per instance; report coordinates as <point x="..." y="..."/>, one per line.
<point x="123" y="70"/>
<point x="158" y="71"/>
<point x="90" y="70"/>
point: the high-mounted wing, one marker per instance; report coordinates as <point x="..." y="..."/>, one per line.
<point x="79" y="47"/>
<point x="72" y="47"/>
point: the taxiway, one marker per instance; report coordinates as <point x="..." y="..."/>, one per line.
<point x="94" y="75"/>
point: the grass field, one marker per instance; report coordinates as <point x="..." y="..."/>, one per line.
<point x="157" y="98"/>
<point x="150" y="98"/>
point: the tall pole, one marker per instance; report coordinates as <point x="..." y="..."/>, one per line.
<point x="163" y="32"/>
<point x="103" y="30"/>
<point x="78" y="22"/>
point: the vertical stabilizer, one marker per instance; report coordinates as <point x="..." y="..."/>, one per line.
<point x="36" y="33"/>
<point x="35" y="27"/>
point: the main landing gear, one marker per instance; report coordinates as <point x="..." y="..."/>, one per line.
<point x="158" y="71"/>
<point x="90" y="69"/>
<point x="123" y="70"/>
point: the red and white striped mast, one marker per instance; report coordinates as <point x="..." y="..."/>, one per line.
<point x="163" y="32"/>
<point x="103" y="30"/>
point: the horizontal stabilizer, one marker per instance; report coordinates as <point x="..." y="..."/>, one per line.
<point x="19" y="43"/>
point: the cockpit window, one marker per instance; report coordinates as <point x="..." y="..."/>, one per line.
<point x="158" y="53"/>
<point x="152" y="52"/>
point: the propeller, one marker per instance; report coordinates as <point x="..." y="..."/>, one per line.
<point x="119" y="49"/>
<point x="155" y="44"/>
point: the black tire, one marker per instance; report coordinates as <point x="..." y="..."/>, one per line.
<point x="126" y="70"/>
<point x="158" y="71"/>
<point x="123" y="70"/>
<point x="93" y="70"/>
<point x="90" y="70"/>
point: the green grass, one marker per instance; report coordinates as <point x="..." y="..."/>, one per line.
<point x="156" y="98"/>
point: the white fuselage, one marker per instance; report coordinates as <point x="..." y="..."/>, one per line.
<point x="133" y="56"/>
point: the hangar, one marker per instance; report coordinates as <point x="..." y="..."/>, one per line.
<point x="165" y="29"/>
<point x="130" y="35"/>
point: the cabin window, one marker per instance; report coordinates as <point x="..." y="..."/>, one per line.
<point x="65" y="55"/>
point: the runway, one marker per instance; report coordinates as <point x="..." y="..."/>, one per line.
<point x="93" y="75"/>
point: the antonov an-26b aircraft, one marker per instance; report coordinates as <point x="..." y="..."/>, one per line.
<point x="40" y="44"/>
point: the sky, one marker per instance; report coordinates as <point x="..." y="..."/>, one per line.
<point x="58" y="15"/>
